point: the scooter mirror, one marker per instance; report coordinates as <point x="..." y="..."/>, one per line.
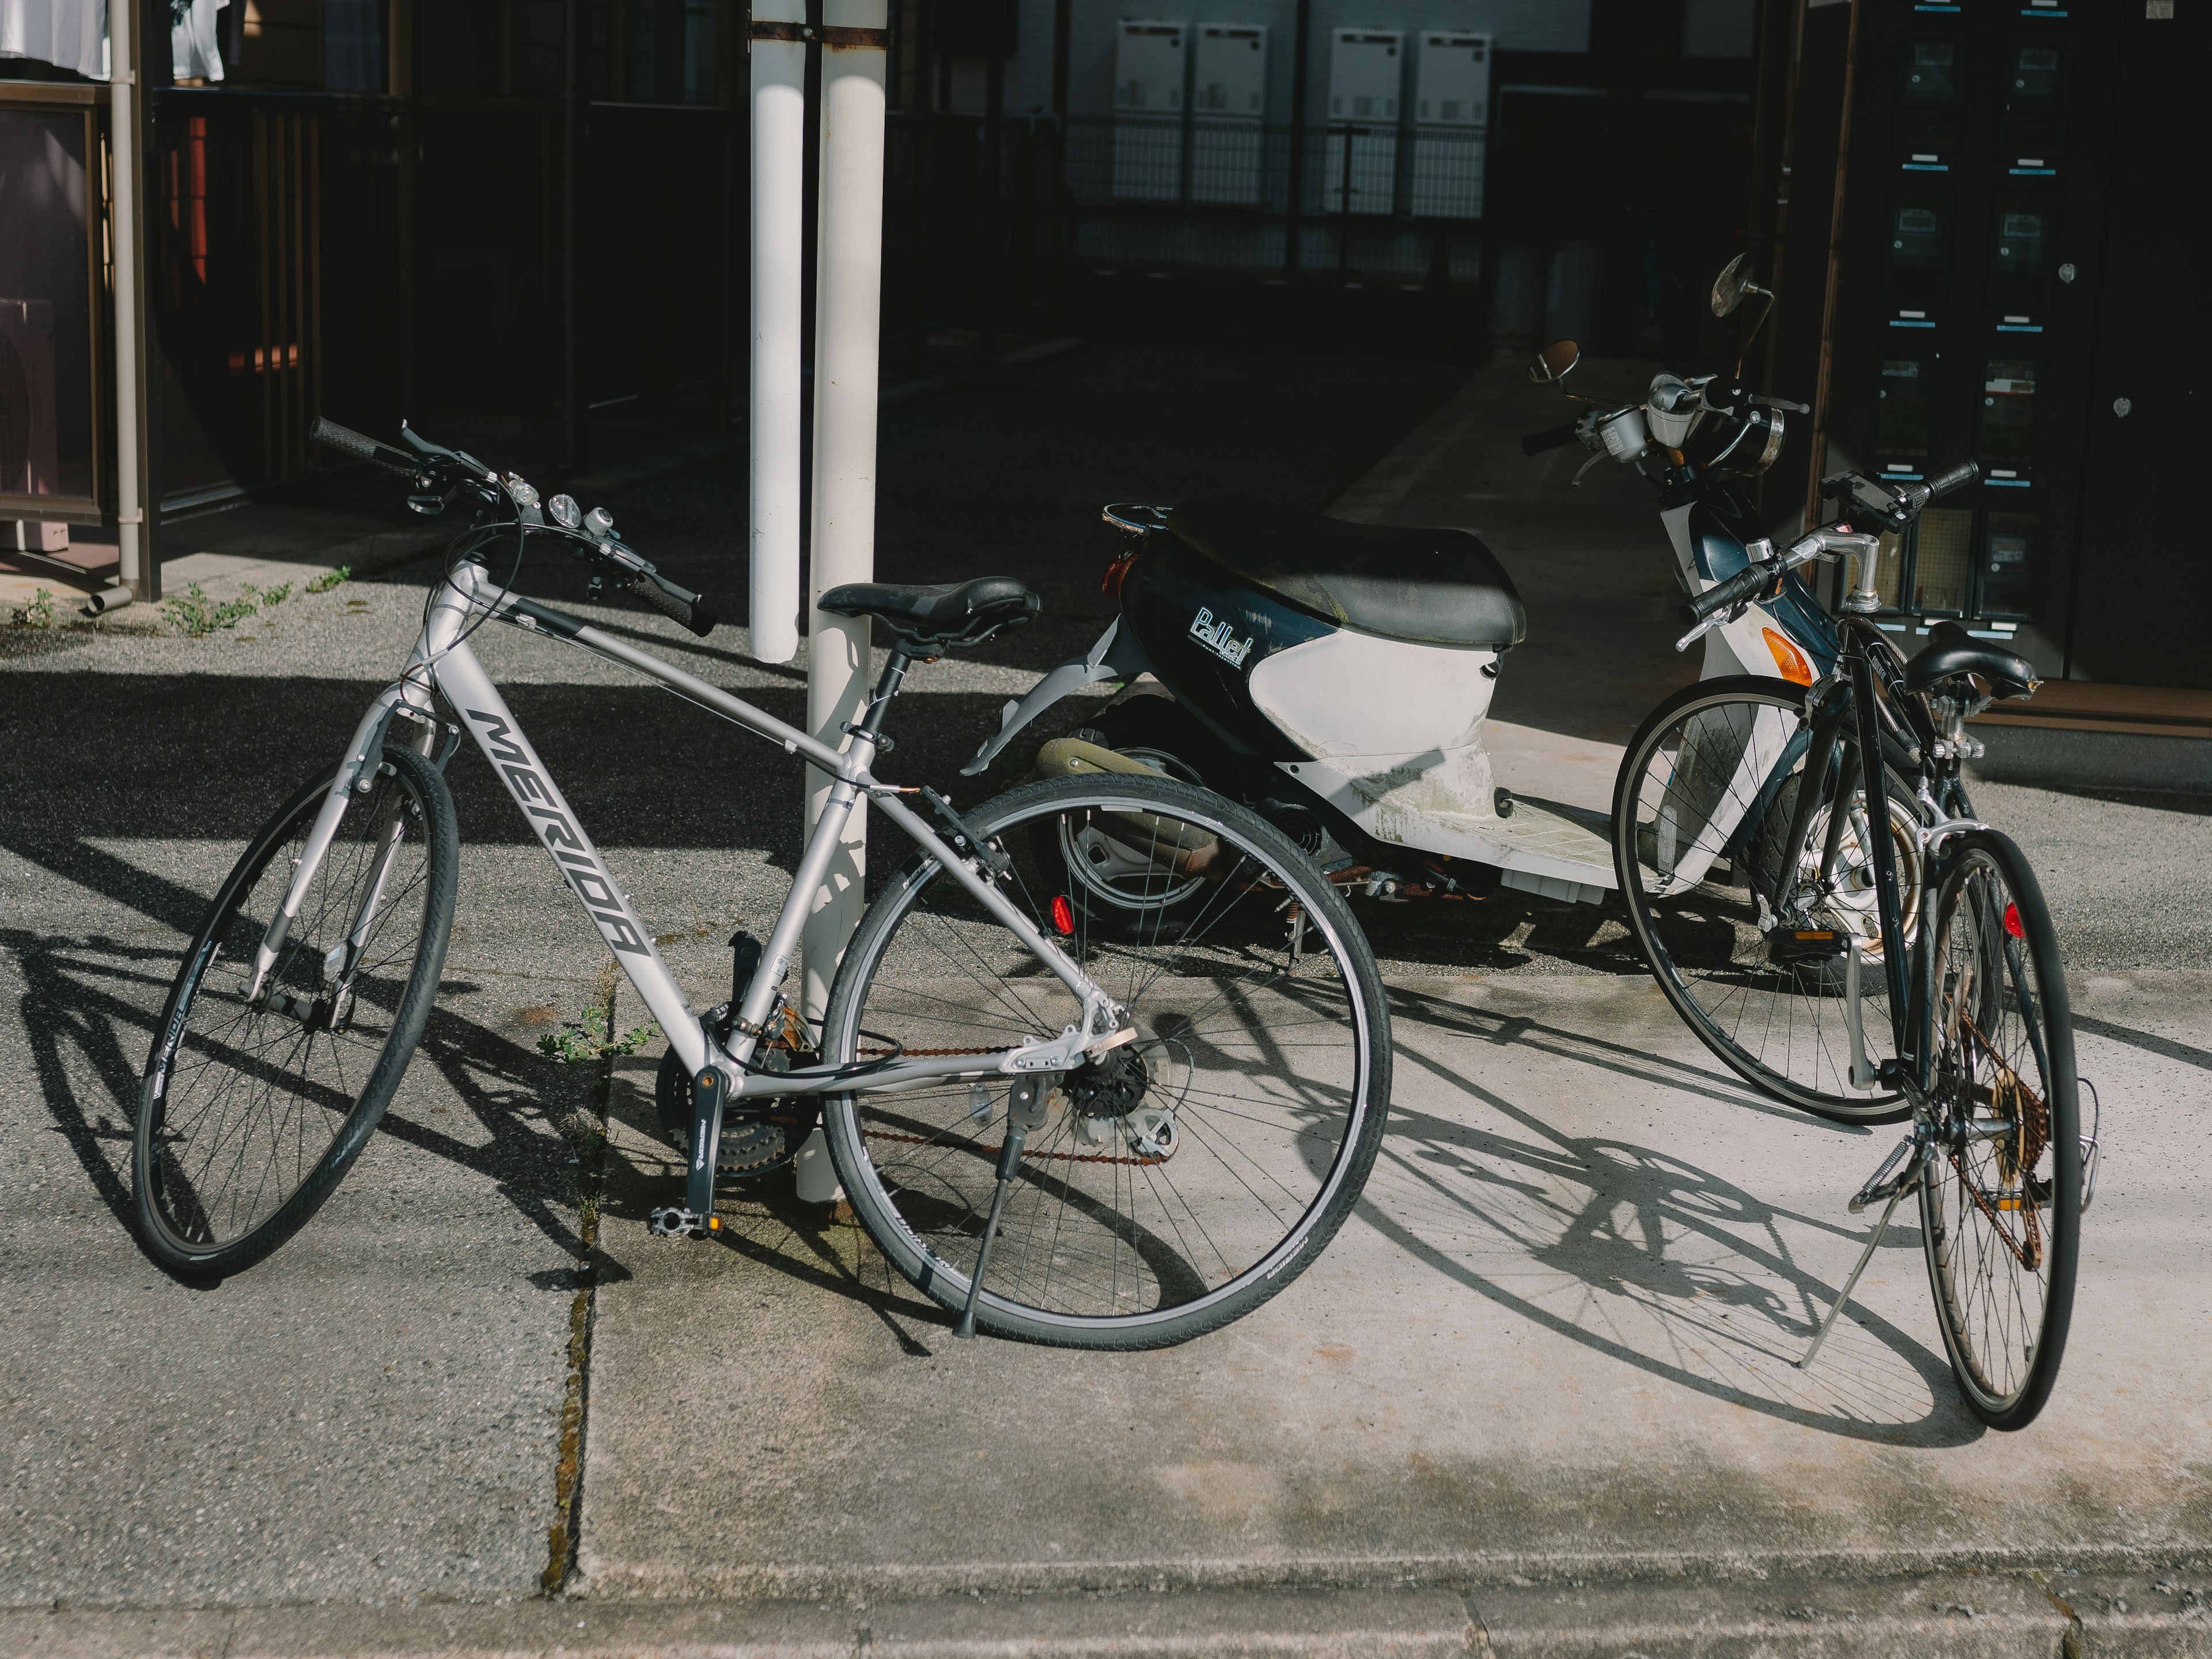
<point x="1554" y="362"/>
<point x="1729" y="287"/>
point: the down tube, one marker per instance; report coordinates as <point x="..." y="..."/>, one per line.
<point x="485" y="712"/>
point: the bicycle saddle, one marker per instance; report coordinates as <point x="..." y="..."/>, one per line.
<point x="947" y="615"/>
<point x="1951" y="651"/>
<point x="1426" y="586"/>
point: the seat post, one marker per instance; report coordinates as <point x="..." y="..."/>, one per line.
<point x="896" y="663"/>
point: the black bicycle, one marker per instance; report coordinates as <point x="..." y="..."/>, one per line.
<point x="1739" y="870"/>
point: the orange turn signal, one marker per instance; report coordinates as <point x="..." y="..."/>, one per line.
<point x="1789" y="659"/>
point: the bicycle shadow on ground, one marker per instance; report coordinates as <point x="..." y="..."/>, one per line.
<point x="1637" y="1252"/>
<point x="88" y="1010"/>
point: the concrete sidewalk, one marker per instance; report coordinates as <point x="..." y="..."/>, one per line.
<point x="1536" y="1398"/>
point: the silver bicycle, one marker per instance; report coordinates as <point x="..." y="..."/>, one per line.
<point x="1064" y="1108"/>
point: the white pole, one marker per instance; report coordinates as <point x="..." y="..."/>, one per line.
<point x="848" y="307"/>
<point x="778" y="162"/>
<point x="130" y="506"/>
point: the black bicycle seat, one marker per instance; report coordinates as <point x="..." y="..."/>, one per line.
<point x="947" y="615"/>
<point x="1951" y="651"/>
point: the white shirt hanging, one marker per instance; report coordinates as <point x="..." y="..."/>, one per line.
<point x="71" y="34"/>
<point x="196" y="40"/>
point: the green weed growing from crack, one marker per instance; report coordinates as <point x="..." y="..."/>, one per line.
<point x="327" y="580"/>
<point x="195" y="616"/>
<point x="40" y="612"/>
<point x="585" y="1038"/>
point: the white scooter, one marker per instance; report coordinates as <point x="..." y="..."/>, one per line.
<point x="1338" y="677"/>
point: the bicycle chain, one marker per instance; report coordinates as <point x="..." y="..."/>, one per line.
<point x="991" y="1151"/>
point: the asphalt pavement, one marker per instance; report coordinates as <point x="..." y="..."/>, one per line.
<point x="1537" y="1397"/>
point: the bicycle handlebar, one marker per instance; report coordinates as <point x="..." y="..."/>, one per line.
<point x="678" y="605"/>
<point x="331" y="435"/>
<point x="1748" y="583"/>
<point x="1943" y="484"/>
<point x="643" y="582"/>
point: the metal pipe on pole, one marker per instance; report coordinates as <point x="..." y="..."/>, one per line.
<point x="778" y="236"/>
<point x="847" y="312"/>
<point x="133" y="59"/>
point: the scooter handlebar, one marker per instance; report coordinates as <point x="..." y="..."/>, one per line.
<point x="1558" y="437"/>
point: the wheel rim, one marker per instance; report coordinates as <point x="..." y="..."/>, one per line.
<point x="1117" y="1220"/>
<point x="245" y="1103"/>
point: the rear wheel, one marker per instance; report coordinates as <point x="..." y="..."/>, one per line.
<point x="1705" y="797"/>
<point x="2001" y="1208"/>
<point x="1171" y="1185"/>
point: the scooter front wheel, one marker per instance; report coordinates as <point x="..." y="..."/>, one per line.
<point x="1704" y="801"/>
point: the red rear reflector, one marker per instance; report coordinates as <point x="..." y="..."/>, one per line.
<point x="2012" y="923"/>
<point x="1111" y="586"/>
<point x="1063" y="915"/>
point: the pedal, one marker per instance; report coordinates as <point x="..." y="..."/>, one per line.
<point x="677" y="1221"/>
<point x="1790" y="947"/>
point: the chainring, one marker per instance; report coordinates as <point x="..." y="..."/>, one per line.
<point x="751" y="1146"/>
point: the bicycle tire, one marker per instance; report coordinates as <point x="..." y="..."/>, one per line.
<point x="1998" y="964"/>
<point x="1780" y="1026"/>
<point x="263" y="1097"/>
<point x="1151" y="1247"/>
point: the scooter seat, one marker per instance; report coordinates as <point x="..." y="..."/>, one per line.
<point x="1427" y="586"/>
<point x="1951" y="651"/>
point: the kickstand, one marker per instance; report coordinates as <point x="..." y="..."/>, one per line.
<point x="1010" y="1159"/>
<point x="1904" y="1186"/>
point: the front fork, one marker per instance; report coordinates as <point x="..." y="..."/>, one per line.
<point x="356" y="772"/>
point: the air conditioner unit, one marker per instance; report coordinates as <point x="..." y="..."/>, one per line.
<point x="1366" y="69"/>
<point x="28" y="464"/>
<point x="1451" y="118"/>
<point x="1228" y="104"/>
<point x="1148" y="82"/>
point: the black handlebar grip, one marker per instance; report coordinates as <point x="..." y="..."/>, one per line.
<point x="1558" y="437"/>
<point x="1960" y="476"/>
<point x="331" y="435"/>
<point x="1747" y="584"/>
<point x="678" y="606"/>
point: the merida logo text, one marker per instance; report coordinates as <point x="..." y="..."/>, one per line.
<point x="562" y="839"/>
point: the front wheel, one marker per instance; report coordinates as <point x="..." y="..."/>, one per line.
<point x="2001" y="1204"/>
<point x="1181" y="1179"/>
<point x="1719" y="906"/>
<point x="251" y="1112"/>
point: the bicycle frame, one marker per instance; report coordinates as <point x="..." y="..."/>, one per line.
<point x="1870" y="671"/>
<point x="442" y="660"/>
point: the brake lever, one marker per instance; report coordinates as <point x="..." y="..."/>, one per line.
<point x="1709" y="623"/>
